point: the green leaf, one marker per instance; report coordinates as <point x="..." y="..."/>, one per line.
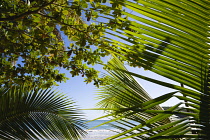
<point x="65" y="12"/>
<point x="37" y="19"/>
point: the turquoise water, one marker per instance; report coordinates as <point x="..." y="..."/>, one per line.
<point x="98" y="122"/>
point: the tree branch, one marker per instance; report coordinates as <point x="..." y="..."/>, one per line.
<point x="95" y="9"/>
<point x="17" y="17"/>
<point x="71" y="26"/>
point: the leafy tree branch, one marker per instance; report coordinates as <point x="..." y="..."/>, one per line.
<point x="17" y="17"/>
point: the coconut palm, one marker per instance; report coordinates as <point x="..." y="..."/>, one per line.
<point x="33" y="113"/>
<point x="138" y="115"/>
<point x="169" y="38"/>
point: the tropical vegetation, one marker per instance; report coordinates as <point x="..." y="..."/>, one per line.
<point x="40" y="37"/>
<point x="34" y="113"/>
<point x="34" y="37"/>
<point x="171" y="39"/>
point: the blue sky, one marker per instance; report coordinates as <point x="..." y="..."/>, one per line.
<point x="85" y="94"/>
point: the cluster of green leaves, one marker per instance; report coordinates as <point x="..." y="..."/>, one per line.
<point x="34" y="113"/>
<point x="32" y="40"/>
<point x="171" y="39"/>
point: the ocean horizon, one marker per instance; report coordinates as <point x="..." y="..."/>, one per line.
<point x="101" y="132"/>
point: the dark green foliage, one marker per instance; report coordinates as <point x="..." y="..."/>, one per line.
<point x="33" y="113"/>
<point x="34" y="35"/>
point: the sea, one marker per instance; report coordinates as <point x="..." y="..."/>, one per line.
<point x="101" y="132"/>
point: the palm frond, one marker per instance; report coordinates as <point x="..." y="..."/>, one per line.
<point x="33" y="113"/>
<point x="138" y="115"/>
<point x="169" y="38"/>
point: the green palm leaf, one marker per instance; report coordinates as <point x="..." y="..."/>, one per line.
<point x="169" y="38"/>
<point x="33" y="113"/>
<point x="132" y="107"/>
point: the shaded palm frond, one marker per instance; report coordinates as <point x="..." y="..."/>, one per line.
<point x="33" y="113"/>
